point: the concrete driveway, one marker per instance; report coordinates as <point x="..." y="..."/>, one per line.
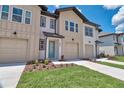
<point x="10" y="74"/>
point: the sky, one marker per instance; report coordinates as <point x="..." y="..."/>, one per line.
<point x="109" y="17"/>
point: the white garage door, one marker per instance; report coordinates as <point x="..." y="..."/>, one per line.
<point x="89" y="51"/>
<point x="71" y="51"/>
<point x="12" y="50"/>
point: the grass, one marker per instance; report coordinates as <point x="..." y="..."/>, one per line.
<point x="70" y="77"/>
<point x="112" y="65"/>
<point x="119" y="58"/>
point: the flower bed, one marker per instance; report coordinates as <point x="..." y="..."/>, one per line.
<point x="38" y="66"/>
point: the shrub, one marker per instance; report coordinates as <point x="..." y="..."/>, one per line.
<point x="36" y="62"/>
<point x="46" y="62"/>
<point x="101" y="55"/>
<point x="30" y="62"/>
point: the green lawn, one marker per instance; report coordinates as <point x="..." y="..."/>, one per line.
<point x="119" y="58"/>
<point x="111" y="64"/>
<point x="70" y="77"/>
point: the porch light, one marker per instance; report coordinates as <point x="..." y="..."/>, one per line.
<point x="14" y="33"/>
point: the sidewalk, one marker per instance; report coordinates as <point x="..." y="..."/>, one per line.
<point x="110" y="61"/>
<point x="111" y="71"/>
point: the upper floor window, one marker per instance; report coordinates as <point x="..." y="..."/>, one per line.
<point x="76" y="27"/>
<point x="66" y="25"/>
<point x="52" y="23"/>
<point x="72" y="26"/>
<point x="27" y="17"/>
<point x="5" y="12"/>
<point x="88" y="31"/>
<point x="43" y="21"/>
<point x="17" y="15"/>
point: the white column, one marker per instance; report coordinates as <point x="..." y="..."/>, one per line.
<point x="47" y="47"/>
<point x="60" y="47"/>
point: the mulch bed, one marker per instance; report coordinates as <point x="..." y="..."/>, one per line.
<point x="43" y="67"/>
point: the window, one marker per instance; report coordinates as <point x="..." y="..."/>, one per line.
<point x="76" y="27"/>
<point x="43" y="21"/>
<point x="114" y="37"/>
<point x="42" y="44"/>
<point x="88" y="31"/>
<point x="72" y="26"/>
<point x="5" y="12"/>
<point x="52" y="23"/>
<point x="66" y="25"/>
<point x="17" y="15"/>
<point x="123" y="39"/>
<point x="27" y="17"/>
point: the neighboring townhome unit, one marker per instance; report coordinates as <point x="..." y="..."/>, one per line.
<point x="113" y="43"/>
<point x="19" y="33"/>
<point x="80" y="35"/>
<point x="50" y="42"/>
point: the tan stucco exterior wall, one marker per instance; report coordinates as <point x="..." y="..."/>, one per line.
<point x="90" y="40"/>
<point x="30" y="32"/>
<point x="70" y="16"/>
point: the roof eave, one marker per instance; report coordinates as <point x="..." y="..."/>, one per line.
<point x="57" y="11"/>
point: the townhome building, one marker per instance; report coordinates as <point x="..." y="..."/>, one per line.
<point x="50" y="43"/>
<point x="113" y="43"/>
<point x="30" y="32"/>
<point x="80" y="35"/>
<point x="19" y="33"/>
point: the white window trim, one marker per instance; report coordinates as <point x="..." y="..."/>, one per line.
<point x="54" y="25"/>
<point x="22" y="21"/>
<point x="76" y="27"/>
<point x="67" y="25"/>
<point x="71" y="26"/>
<point x="92" y="31"/>
<point x="10" y="14"/>
<point x="27" y="17"/>
<point x="45" y="21"/>
<point x="5" y="12"/>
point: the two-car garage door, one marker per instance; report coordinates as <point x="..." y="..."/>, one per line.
<point x="71" y="50"/>
<point x="12" y="50"/>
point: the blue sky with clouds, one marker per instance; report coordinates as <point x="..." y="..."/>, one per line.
<point x="96" y="13"/>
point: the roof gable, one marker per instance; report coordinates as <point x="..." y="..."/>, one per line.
<point x="78" y="13"/>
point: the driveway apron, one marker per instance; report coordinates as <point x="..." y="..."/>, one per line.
<point x="10" y="74"/>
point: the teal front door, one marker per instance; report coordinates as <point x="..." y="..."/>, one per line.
<point x="51" y="49"/>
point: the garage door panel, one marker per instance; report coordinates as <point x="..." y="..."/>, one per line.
<point x="71" y="51"/>
<point x="12" y="50"/>
<point x="89" y="51"/>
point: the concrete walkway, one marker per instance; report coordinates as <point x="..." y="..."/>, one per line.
<point x="110" y="61"/>
<point x="10" y="74"/>
<point x="111" y="71"/>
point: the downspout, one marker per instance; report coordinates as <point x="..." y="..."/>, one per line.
<point x="122" y="50"/>
<point x="96" y="49"/>
<point x="117" y="42"/>
<point x="45" y="47"/>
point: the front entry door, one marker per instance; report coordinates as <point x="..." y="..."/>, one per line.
<point x="51" y="49"/>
